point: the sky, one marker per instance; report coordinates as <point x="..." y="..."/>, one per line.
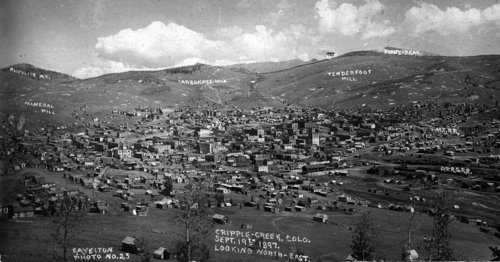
<point x="88" y="38"/>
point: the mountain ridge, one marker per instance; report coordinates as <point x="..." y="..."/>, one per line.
<point x="36" y="73"/>
<point x="356" y="79"/>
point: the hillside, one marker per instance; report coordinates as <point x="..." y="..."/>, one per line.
<point x="267" y="67"/>
<point x="380" y="80"/>
<point x="364" y="78"/>
<point x="35" y="73"/>
<point x="122" y="91"/>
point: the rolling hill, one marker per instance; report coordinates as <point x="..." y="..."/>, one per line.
<point x="355" y="79"/>
<point x="267" y="67"/>
<point x="375" y="79"/>
<point x="32" y="72"/>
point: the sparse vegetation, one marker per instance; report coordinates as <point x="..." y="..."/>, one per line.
<point x="365" y="238"/>
<point x="67" y="224"/>
<point x="439" y="245"/>
<point x="167" y="187"/>
<point x="194" y="218"/>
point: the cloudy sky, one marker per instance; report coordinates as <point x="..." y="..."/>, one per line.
<point x="86" y="38"/>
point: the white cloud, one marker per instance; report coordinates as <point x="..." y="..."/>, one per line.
<point x="378" y="30"/>
<point x="430" y="18"/>
<point x="155" y="45"/>
<point x="349" y="20"/>
<point x="228" y="33"/>
<point x="262" y="44"/>
<point x="102" y="67"/>
<point x="161" y="46"/>
<point x="492" y="13"/>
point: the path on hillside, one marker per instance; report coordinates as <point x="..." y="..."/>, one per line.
<point x="293" y="248"/>
<point x="217" y="98"/>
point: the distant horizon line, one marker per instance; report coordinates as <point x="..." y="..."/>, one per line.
<point x="424" y="53"/>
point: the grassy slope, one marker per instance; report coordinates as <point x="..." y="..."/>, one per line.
<point x="394" y="79"/>
<point x="31" y="241"/>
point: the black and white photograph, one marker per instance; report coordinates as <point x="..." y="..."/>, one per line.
<point x="249" y="130"/>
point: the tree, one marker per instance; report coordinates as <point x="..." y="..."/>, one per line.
<point x="439" y="246"/>
<point x="168" y="186"/>
<point x="195" y="221"/>
<point x="219" y="198"/>
<point x="67" y="222"/>
<point x="365" y="238"/>
<point x="408" y="246"/>
<point x="145" y="253"/>
<point x="495" y="253"/>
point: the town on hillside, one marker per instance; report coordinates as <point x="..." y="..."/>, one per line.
<point x="303" y="172"/>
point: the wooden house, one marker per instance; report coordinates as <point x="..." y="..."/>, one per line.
<point x="320" y="218"/>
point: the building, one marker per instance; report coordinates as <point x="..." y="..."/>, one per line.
<point x="206" y="147"/>
<point x="129" y="245"/>
<point x="23" y="212"/>
<point x="320" y="218"/>
<point x="220" y="219"/>
<point x="162" y="253"/>
<point x="122" y="153"/>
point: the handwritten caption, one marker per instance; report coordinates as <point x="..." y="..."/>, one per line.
<point x="347" y="74"/>
<point x="98" y="253"/>
<point x="258" y="243"/>
<point x="202" y="82"/>
<point x="45" y="106"/>
<point x="402" y="52"/>
<point x="30" y="74"/>
<point x="456" y="170"/>
<point x="446" y="130"/>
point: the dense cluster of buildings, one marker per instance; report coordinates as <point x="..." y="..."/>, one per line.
<point x="276" y="150"/>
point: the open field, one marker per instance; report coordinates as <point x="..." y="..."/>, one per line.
<point x="29" y="240"/>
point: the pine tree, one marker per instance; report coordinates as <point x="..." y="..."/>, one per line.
<point x="365" y="238"/>
<point x="168" y="186"/>
<point x="439" y="246"/>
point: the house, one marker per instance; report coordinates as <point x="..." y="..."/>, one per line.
<point x="129" y="245"/>
<point x="23" y="212"/>
<point x="271" y="207"/>
<point x="320" y="218"/>
<point x="163" y="204"/>
<point x="100" y="207"/>
<point x="162" y="253"/>
<point x="122" y="153"/>
<point x="141" y="210"/>
<point x="300" y="208"/>
<point x="221" y="219"/>
<point x="246" y="226"/>
<point x="321" y="192"/>
<point x="104" y="188"/>
<point x="222" y="190"/>
<point x="313" y="168"/>
<point x="125" y="207"/>
<point x="262" y="169"/>
<point x="411" y="255"/>
<point x="4" y="209"/>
